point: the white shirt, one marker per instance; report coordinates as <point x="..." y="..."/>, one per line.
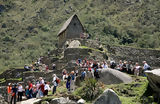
<point x="54" y="81"/>
<point x="20" y="89"/>
<point x="146" y="66"/>
<point x="104" y="66"/>
<point x="137" y="67"/>
<point x="46" y="87"/>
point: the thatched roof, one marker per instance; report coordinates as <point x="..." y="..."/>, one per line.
<point x="66" y="24"/>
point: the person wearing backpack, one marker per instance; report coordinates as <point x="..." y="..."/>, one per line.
<point x="83" y="74"/>
<point x="14" y="94"/>
<point x="55" y="83"/>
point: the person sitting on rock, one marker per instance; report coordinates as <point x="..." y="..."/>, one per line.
<point x="27" y="68"/>
<point x="146" y="66"/>
<point x="118" y="68"/>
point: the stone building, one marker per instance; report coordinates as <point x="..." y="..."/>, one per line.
<point x="71" y="29"/>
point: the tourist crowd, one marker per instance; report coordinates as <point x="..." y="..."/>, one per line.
<point x="85" y="68"/>
<point x="38" y="66"/>
<point x="93" y="67"/>
<point x="32" y="90"/>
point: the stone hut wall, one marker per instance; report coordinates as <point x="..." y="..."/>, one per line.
<point x="75" y="29"/>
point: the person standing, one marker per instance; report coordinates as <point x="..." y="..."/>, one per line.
<point x="20" y="92"/>
<point x="30" y="88"/>
<point x="27" y="93"/>
<point x="14" y="93"/>
<point x="72" y="85"/>
<point x="64" y="72"/>
<point x="136" y="69"/>
<point x="41" y="87"/>
<point x="68" y="82"/>
<point x="34" y="91"/>
<point x="46" y="88"/>
<point x="129" y="67"/>
<point x="55" y="84"/>
<point x="83" y="74"/>
<point x="9" y="90"/>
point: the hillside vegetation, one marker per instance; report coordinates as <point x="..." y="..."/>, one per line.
<point x="28" y="28"/>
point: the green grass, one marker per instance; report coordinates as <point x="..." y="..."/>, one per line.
<point x="18" y="79"/>
<point x="2" y="80"/>
<point x="131" y="93"/>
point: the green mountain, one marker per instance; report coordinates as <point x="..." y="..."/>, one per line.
<point x="28" y="28"/>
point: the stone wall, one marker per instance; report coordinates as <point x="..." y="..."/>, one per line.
<point x="134" y="54"/>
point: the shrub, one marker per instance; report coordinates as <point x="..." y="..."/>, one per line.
<point x="90" y="90"/>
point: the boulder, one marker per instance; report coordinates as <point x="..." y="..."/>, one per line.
<point x="3" y="92"/>
<point x="108" y="97"/>
<point x="45" y="102"/>
<point x="81" y="101"/>
<point x="62" y="100"/>
<point x="112" y="76"/>
<point x="2" y="100"/>
<point x="154" y="79"/>
<point x="74" y="44"/>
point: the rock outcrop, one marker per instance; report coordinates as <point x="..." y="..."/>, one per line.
<point x="74" y="44"/>
<point x="2" y="101"/>
<point x="62" y="100"/>
<point x="3" y="92"/>
<point x="81" y="101"/>
<point x="108" y="97"/>
<point x="111" y="76"/>
<point x="154" y="80"/>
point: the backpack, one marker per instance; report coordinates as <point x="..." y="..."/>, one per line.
<point x="57" y="80"/>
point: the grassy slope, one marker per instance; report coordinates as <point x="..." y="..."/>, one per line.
<point x="28" y="28"/>
<point x="132" y="93"/>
